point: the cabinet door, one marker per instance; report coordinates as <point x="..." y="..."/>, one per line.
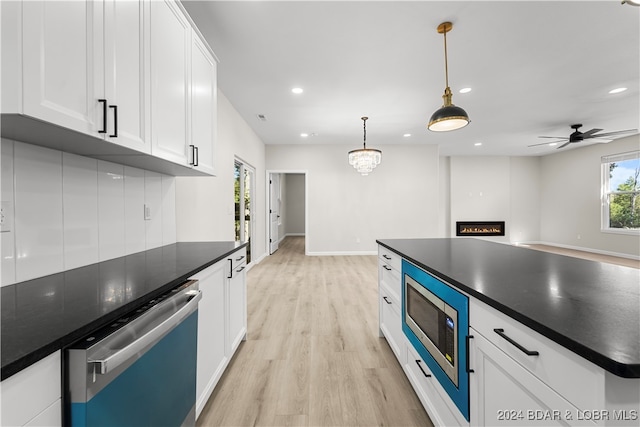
<point x="62" y="63"/>
<point x="127" y="74"/>
<point x="211" y="332"/>
<point x="170" y="47"/>
<point x="390" y="322"/>
<point x="237" y="308"/>
<point x="504" y="393"/>
<point x="203" y="105"/>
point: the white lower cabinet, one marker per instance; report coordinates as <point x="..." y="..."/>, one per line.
<point x="505" y="393"/>
<point x="237" y="291"/>
<point x="33" y="395"/>
<point x="434" y="398"/>
<point x="222" y="321"/>
<point x="390" y="321"/>
<point x="212" y="358"/>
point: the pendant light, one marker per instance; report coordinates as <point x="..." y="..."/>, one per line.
<point x="365" y="160"/>
<point x="448" y="117"/>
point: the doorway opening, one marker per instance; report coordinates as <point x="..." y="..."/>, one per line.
<point x="244" y="184"/>
<point x="287" y="206"/>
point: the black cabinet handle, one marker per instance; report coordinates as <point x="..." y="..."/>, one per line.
<point x="240" y="259"/>
<point x="104" y="116"/>
<point x="500" y="332"/>
<point x="193" y="155"/>
<point x="386" y="267"/>
<point x="240" y="269"/>
<point x="230" y="269"/>
<point x="115" y="121"/>
<point x="386" y="300"/>
<point x="197" y="156"/>
<point x="420" y="366"/>
<point x="469" y="337"/>
<point x="385" y="256"/>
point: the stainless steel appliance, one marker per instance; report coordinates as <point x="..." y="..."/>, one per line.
<point x="435" y="319"/>
<point x="141" y="369"/>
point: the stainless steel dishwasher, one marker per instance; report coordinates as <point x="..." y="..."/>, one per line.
<point x="139" y="370"/>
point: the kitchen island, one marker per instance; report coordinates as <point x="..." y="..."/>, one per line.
<point x="583" y="316"/>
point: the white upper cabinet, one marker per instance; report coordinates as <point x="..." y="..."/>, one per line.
<point x="203" y="106"/>
<point x="170" y="48"/>
<point x="116" y="71"/>
<point x="126" y="74"/>
<point x="62" y="63"/>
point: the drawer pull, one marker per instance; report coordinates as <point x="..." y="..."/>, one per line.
<point x="240" y="269"/>
<point x="386" y="267"/>
<point x="240" y="258"/>
<point x="500" y="332"/>
<point x="385" y="256"/>
<point x="420" y="366"/>
<point x="386" y="300"/>
<point x="469" y="338"/>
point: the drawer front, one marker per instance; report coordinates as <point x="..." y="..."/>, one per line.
<point x="441" y="409"/>
<point x="390" y="322"/>
<point x="390" y="258"/>
<point x="238" y="258"/>
<point x="391" y="279"/>
<point x="574" y="378"/>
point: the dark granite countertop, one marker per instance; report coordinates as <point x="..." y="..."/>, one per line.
<point x="43" y="315"/>
<point x="590" y="308"/>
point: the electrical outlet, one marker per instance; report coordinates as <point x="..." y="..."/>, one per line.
<point x="6" y="216"/>
<point x="147" y="212"/>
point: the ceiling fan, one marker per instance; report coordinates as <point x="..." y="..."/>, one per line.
<point x="578" y="136"/>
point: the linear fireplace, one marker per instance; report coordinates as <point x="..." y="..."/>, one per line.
<point x="479" y="228"/>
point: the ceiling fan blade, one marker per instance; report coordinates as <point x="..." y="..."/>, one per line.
<point x="542" y="143"/>
<point x="589" y="133"/>
<point x="564" y="145"/>
<point x="617" y="132"/>
<point x="554" y="137"/>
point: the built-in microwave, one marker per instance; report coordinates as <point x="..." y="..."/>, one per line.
<point x="436" y="321"/>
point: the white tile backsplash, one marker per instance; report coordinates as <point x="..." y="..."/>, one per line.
<point x="134" y="225"/>
<point x="69" y="211"/>
<point x="80" y="209"/>
<point x="153" y="202"/>
<point x="168" y="210"/>
<point x="7" y="231"/>
<point x="110" y="210"/>
<point x="38" y="211"/>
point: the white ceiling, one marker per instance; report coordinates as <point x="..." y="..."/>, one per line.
<point x="534" y="68"/>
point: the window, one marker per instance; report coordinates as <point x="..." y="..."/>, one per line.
<point x="621" y="192"/>
<point x="243" y="195"/>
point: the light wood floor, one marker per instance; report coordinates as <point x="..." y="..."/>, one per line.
<point x="312" y="355"/>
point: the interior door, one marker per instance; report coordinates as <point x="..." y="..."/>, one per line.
<point x="274" y="211"/>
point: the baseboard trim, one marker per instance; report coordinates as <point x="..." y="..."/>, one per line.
<point x="342" y="253"/>
<point x="583" y="249"/>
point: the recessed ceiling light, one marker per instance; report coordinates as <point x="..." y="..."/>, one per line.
<point x="465" y="90"/>
<point x="304" y="135"/>
<point x="297" y="90"/>
<point x="477" y="144"/>
<point x="407" y="135"/>
<point x="618" y="90"/>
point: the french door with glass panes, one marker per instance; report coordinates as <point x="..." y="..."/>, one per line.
<point x="244" y="182"/>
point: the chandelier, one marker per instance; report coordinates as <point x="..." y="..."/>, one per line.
<point x="365" y="160"/>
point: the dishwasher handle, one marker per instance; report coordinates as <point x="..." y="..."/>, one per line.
<point x="108" y="364"/>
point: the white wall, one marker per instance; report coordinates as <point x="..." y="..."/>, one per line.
<point x="65" y="211"/>
<point x="204" y="205"/>
<point x="347" y="212"/>
<point x="570" y="213"/>
<point x="294" y="203"/>
<point x="496" y="188"/>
